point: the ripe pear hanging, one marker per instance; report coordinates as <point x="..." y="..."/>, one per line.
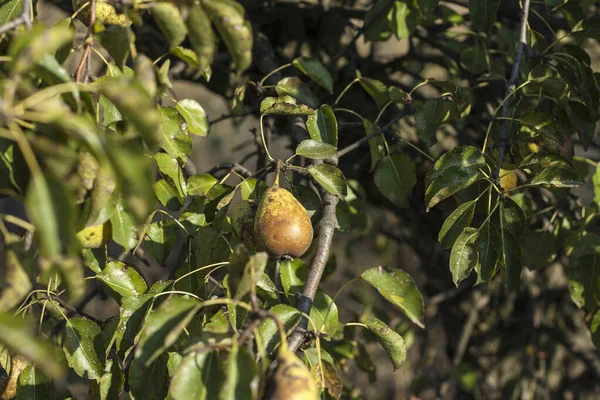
<point x="292" y="379"/>
<point x="282" y="225"/>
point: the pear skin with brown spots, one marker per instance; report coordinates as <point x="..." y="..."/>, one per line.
<point x="282" y="225"/>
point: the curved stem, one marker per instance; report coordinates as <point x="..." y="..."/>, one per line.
<point x="276" y="70"/>
<point x="264" y="142"/>
<point x="348" y="86"/>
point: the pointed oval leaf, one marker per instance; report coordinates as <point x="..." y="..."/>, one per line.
<point x="83" y="349"/>
<point x="488" y="252"/>
<point x="376" y="89"/>
<point x="314" y="149"/>
<point x="240" y="370"/>
<point x="200" y="184"/>
<point x="149" y="382"/>
<point x="395" y="178"/>
<point x="198" y="376"/>
<point x="463" y="257"/>
<point x="169" y="21"/>
<point x="541" y="123"/>
<point x="124" y="230"/>
<point x="315" y="71"/>
<point x="235" y="31"/>
<point x="169" y="168"/>
<point x="397" y="287"/>
<point x="428" y="117"/>
<point x="322" y="125"/>
<point x="202" y="39"/>
<point x="267" y="329"/>
<point x="163" y="326"/>
<point x="450" y="182"/>
<point x="376" y="144"/>
<point x="456" y="222"/>
<point x="293" y="86"/>
<point x="467" y="157"/>
<point x="176" y="139"/>
<point x="160" y="238"/>
<point x="392" y="343"/>
<point x="483" y="14"/>
<point x="194" y="115"/>
<point x="512" y="217"/>
<point x="330" y="177"/>
<point x="293" y="275"/>
<point x="512" y="255"/>
<point x="123" y="280"/>
<point x="324" y="313"/>
<point x="33" y="384"/>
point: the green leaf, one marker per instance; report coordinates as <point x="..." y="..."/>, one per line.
<point x="244" y="271"/>
<point x="474" y="58"/>
<point x="149" y="382"/>
<point x="406" y="15"/>
<point x="397" y="287"/>
<point x="582" y="122"/>
<point x="550" y="81"/>
<point x="428" y="117"/>
<point x="324" y="313"/>
<point x="188" y="56"/>
<point x="19" y="337"/>
<point x="512" y="217"/>
<point x="110" y="384"/>
<point x="512" y="255"/>
<point x="169" y="168"/>
<point x="463" y="257"/>
<point x="293" y="275"/>
<point x="488" y="252"/>
<point x="322" y="125"/>
<point x="117" y="40"/>
<point x="200" y="184"/>
<point x="293" y="86"/>
<point x="240" y="370"/>
<point x="392" y="343"/>
<point x="163" y="326"/>
<point x="314" y="149"/>
<point x="123" y="280"/>
<point x="376" y="89"/>
<point x="330" y="177"/>
<point x="202" y="39"/>
<point x="583" y="272"/>
<point x="543" y="159"/>
<point x="395" y="178"/>
<point x="250" y="191"/>
<point x="315" y="71"/>
<point x="376" y="144"/>
<point x="160" y="238"/>
<point x="124" y="231"/>
<point x="285" y="105"/>
<point x="15" y="283"/>
<point x="10" y="10"/>
<point x="329" y="378"/>
<point x="176" y="139"/>
<point x="33" y="384"/>
<point x="82" y="348"/>
<point x="136" y="106"/>
<point x="450" y="182"/>
<point x="467" y="157"/>
<point x="541" y="123"/>
<point x="483" y="14"/>
<point x="169" y="21"/>
<point x="133" y="313"/>
<point x="235" y="31"/>
<point x="28" y="49"/>
<point x="198" y="376"/>
<point x="557" y="176"/>
<point x="194" y="115"/>
<point x="456" y="222"/>
<point x="591" y="27"/>
<point x="377" y="21"/>
<point x="217" y="198"/>
<point x="267" y="329"/>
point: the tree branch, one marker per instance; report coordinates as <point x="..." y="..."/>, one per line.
<point x="23" y="19"/>
<point x="327" y="226"/>
<point x="502" y="143"/>
<point x="384" y="128"/>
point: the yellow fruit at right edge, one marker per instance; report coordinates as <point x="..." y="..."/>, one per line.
<point x="508" y="180"/>
<point x="292" y="380"/>
<point x="282" y="225"/>
<point x="95" y="236"/>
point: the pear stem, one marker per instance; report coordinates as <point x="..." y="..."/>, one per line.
<point x="278" y="166"/>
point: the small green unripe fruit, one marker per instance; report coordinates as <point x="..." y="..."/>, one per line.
<point x="282" y="225"/>
<point x="242" y="221"/>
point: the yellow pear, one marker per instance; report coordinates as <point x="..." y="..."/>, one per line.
<point x="282" y="225"/>
<point x="292" y="380"/>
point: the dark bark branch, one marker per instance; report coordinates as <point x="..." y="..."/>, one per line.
<point x="327" y="227"/>
<point x="502" y="143"/>
<point x="365" y="139"/>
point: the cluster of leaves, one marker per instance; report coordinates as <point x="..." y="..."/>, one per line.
<point x="105" y="161"/>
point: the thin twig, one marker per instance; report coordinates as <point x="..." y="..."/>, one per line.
<point x="89" y="39"/>
<point x="384" y="128"/>
<point x="240" y="169"/>
<point x="480" y="302"/>
<point x="502" y="143"/>
<point x="23" y="19"/>
<point x="327" y="227"/>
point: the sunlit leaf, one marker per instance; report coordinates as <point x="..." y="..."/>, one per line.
<point x="330" y="177"/>
<point x="322" y="125"/>
<point x="81" y="348"/>
<point x="463" y="257"/>
<point x="315" y="71"/>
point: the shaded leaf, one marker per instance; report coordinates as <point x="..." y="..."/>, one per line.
<point x="202" y="39"/>
<point x="198" y="376"/>
<point x="324" y="313"/>
<point x="315" y="71"/>
<point x="322" y="125"/>
<point x="483" y="14"/>
<point x="395" y="178"/>
<point x="239" y="373"/>
<point x="169" y="21"/>
<point x="376" y="89"/>
<point x="450" y="182"/>
<point x="149" y="382"/>
<point x="267" y="329"/>
<point x="428" y="117"/>
<point x="456" y="222"/>
<point x="81" y="348"/>
<point x="292" y="86"/>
